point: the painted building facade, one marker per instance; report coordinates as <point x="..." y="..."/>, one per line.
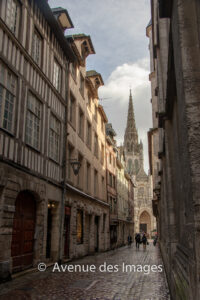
<point x="86" y="199"/>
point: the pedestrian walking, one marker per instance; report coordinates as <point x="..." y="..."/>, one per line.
<point x="144" y="241"/>
<point x="155" y="240"/>
<point x="137" y="241"/>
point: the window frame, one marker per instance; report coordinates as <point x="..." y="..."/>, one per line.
<point x="9" y="88"/>
<point x="53" y="156"/>
<point x="34" y="113"/>
<point x="16" y="16"/>
<point x="57" y="75"/>
<point x="39" y="38"/>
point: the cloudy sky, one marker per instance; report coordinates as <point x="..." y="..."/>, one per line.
<point x="117" y="29"/>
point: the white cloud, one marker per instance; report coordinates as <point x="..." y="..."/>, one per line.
<point x="115" y="96"/>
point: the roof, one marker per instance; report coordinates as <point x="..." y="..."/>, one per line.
<point x="57" y="11"/>
<point x="77" y="35"/>
<point x="81" y="36"/>
<point x="93" y="73"/>
<point x="55" y="27"/>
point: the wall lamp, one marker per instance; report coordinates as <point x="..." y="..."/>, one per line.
<point x="75" y="164"/>
<point x="51" y="205"/>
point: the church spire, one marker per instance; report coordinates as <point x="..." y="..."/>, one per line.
<point x="131" y="115"/>
<point x="131" y="131"/>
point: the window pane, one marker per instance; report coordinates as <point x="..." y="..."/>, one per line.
<point x="54" y="138"/>
<point x="33" y="121"/>
<point x="12" y="14"/>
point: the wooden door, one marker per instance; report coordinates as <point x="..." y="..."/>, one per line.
<point x="23" y="232"/>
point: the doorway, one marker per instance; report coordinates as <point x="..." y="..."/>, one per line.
<point x="23" y="232"/>
<point x="96" y="234"/>
<point x="67" y="231"/>
<point x="49" y="230"/>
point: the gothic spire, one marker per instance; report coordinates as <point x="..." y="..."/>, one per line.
<point x="131" y="131"/>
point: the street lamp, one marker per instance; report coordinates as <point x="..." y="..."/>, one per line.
<point x="75" y="164"/>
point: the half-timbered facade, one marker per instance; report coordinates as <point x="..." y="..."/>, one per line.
<point x="34" y="60"/>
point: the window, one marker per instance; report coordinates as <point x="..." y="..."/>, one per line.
<point x="95" y="113"/>
<point x="88" y="173"/>
<point x="102" y="154"/>
<point x="96" y="145"/>
<point x="95" y="183"/>
<point x="73" y="69"/>
<point x="81" y="124"/>
<point x="80" y="173"/>
<point x="33" y="118"/>
<point x="89" y="100"/>
<point x="114" y="161"/>
<point x="57" y="76"/>
<point x="110" y="157"/>
<point x="72" y="110"/>
<point x="114" y="181"/>
<point x="88" y="134"/>
<point x="79" y="227"/>
<point x="37" y="47"/>
<point x="102" y="186"/>
<point x="102" y="124"/>
<point x="13" y="15"/>
<point x="81" y="84"/>
<point x="110" y="179"/>
<point x="8" y="83"/>
<point x="54" y="138"/>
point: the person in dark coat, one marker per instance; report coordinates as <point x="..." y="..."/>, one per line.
<point x="137" y="241"/>
<point x="144" y="241"/>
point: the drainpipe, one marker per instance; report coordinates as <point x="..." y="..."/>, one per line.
<point x="64" y="164"/>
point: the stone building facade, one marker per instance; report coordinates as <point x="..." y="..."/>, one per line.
<point x="111" y="168"/>
<point x="125" y="201"/>
<point x="143" y="215"/>
<point x="175" y="78"/>
<point x="87" y="218"/>
<point x="34" y="60"/>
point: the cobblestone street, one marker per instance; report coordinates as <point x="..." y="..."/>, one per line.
<point x="98" y="285"/>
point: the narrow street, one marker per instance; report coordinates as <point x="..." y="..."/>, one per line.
<point x="98" y="285"/>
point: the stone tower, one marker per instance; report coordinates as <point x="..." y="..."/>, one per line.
<point x="133" y="149"/>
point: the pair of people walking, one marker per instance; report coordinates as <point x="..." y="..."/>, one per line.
<point x="141" y="240"/>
